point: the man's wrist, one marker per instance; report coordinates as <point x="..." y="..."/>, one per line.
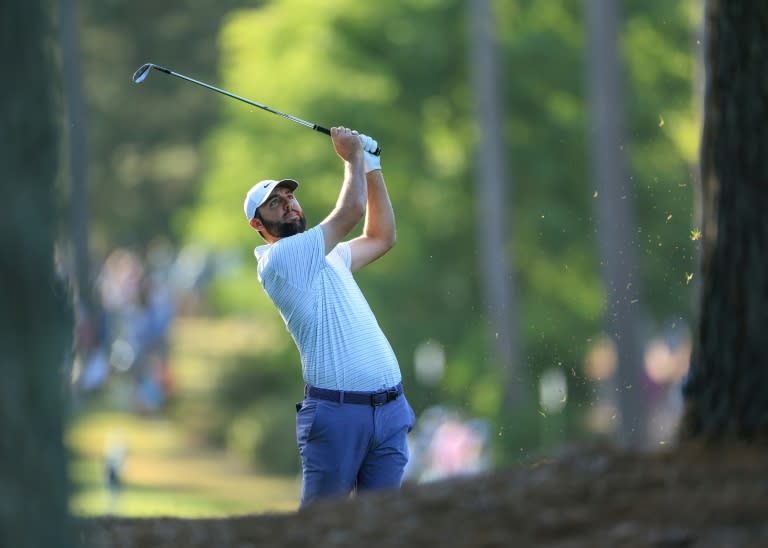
<point x="372" y="162"/>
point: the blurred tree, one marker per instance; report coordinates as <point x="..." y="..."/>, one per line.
<point x="614" y="210"/>
<point x="727" y="389"/>
<point x="497" y="270"/>
<point x="35" y="317"/>
<point x="143" y="142"/>
<point x="76" y="137"/>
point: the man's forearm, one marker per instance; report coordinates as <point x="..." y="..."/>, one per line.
<point x="380" y="217"/>
<point x="354" y="190"/>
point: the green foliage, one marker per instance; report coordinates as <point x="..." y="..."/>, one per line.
<point x="259" y="377"/>
<point x="264" y="434"/>
<point x="397" y="71"/>
<point x="176" y="158"/>
<point x="143" y="141"/>
<point x="239" y="292"/>
<point x="254" y="402"/>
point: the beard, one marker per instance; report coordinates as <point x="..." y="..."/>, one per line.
<point x="281" y="229"/>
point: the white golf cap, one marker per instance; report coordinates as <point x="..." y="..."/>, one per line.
<point x="261" y="191"/>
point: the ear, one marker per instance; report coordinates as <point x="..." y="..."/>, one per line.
<point x="256" y="225"/>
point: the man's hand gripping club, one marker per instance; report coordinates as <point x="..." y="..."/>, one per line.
<point x="345" y="148"/>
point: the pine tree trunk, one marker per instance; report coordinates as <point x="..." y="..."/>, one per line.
<point x="497" y="270"/>
<point x="77" y="148"/>
<point x="35" y="319"/>
<point x="615" y="216"/>
<point x="727" y="388"/>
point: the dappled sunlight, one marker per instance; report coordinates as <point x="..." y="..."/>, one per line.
<point x="162" y="474"/>
<point x="135" y="462"/>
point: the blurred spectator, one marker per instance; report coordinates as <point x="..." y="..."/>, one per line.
<point x="446" y="444"/>
<point x="189" y="275"/>
<point x="92" y="366"/>
<point x="666" y="361"/>
<point x="114" y="458"/>
<point x="129" y="342"/>
<point x="126" y="345"/>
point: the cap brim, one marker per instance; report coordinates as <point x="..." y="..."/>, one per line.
<point x="289" y="183"/>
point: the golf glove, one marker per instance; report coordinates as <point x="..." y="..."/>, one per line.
<point x="372" y="162"/>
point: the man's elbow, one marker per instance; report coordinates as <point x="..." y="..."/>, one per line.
<point x="356" y="209"/>
<point x="393" y="241"/>
<point x="390" y="241"/>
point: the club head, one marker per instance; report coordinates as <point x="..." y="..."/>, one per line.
<point x="140" y="75"/>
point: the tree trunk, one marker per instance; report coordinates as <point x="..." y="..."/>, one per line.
<point x="35" y="318"/>
<point x="77" y="148"/>
<point x="615" y="216"/>
<point x="497" y="271"/>
<point x="727" y="387"/>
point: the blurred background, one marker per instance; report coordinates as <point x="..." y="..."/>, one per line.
<point x="541" y="159"/>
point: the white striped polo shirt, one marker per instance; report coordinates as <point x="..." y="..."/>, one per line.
<point x="341" y="344"/>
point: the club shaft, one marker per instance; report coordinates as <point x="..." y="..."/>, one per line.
<point x="245" y="100"/>
<point x="141" y="74"/>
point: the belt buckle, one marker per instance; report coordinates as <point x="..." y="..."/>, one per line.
<point x="385" y="396"/>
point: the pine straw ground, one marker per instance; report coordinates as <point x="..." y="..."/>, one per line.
<point x="587" y="497"/>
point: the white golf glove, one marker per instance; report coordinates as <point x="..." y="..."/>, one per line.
<point x="372" y="162"/>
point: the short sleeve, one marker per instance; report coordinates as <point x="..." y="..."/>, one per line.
<point x="345" y="253"/>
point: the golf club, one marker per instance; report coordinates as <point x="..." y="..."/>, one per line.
<point x="141" y="74"/>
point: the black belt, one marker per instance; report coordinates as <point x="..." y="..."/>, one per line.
<point x="374" y="399"/>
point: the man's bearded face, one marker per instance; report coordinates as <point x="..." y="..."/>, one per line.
<point x="283" y="229"/>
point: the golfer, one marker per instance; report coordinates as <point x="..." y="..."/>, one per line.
<point x="352" y="425"/>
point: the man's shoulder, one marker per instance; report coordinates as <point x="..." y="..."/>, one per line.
<point x="261" y="251"/>
<point x="291" y="248"/>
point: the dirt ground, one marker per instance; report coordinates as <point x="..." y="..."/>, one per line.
<point x="586" y="497"/>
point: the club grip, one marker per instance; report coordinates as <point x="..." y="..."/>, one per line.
<point x="327" y="131"/>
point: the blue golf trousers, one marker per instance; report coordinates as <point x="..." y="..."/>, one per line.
<point x="347" y="447"/>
